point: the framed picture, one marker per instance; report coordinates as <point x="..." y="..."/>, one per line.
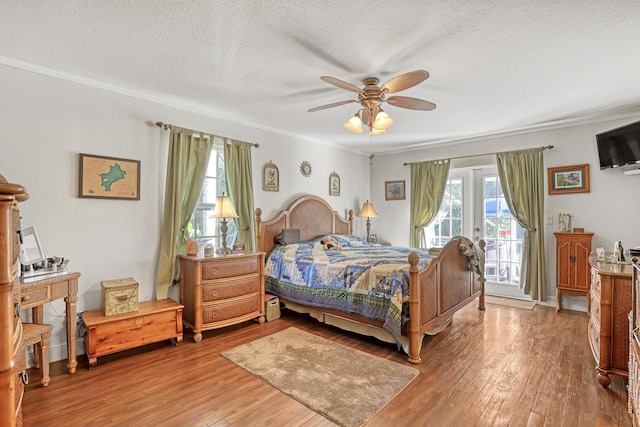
<point x="373" y="238"/>
<point x="109" y="178"/>
<point x="271" y="177"/>
<point x="394" y="190"/>
<point x="334" y="184"/>
<point x="569" y="179"/>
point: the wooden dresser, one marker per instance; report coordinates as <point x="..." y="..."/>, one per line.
<point x="221" y="290"/>
<point x="608" y="320"/>
<point x="634" y="347"/>
<point x="572" y="265"/>
<point x="12" y="354"/>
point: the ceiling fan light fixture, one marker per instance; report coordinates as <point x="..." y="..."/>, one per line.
<point x="375" y="131"/>
<point x="354" y="124"/>
<point x="383" y="121"/>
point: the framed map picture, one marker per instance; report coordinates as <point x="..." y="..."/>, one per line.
<point x="109" y="177"/>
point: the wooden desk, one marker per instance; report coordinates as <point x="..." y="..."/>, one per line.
<point x="39" y="290"/>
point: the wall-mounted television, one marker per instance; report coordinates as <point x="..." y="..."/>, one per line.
<point x="620" y="146"/>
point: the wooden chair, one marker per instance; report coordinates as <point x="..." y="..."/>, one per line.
<point x="38" y="335"/>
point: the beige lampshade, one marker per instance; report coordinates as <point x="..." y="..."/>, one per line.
<point x="368" y="210"/>
<point x="354" y="124"/>
<point x="382" y="121"/>
<point x="224" y="208"/>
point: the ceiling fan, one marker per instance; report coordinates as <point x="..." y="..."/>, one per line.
<point x="372" y="96"/>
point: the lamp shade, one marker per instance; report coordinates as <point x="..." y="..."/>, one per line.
<point x="368" y="210"/>
<point x="354" y="124"/>
<point x="382" y="121"/>
<point x="224" y="208"/>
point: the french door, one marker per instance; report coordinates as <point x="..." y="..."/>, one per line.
<point x="474" y="206"/>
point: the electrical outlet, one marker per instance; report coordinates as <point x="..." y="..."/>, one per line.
<point x="549" y="220"/>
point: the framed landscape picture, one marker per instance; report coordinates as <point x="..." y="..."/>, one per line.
<point x="109" y="177"/>
<point x="394" y="190"/>
<point x="569" y="179"/>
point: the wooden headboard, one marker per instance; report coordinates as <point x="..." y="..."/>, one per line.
<point x="311" y="214"/>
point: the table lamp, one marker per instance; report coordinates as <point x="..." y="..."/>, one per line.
<point x="224" y="209"/>
<point x="369" y="212"/>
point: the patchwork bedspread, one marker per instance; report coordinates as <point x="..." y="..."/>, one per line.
<point x="364" y="278"/>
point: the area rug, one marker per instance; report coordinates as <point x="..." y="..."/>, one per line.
<point x="510" y="302"/>
<point x="345" y="385"/>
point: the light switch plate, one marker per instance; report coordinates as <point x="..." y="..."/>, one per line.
<point x="549" y="220"/>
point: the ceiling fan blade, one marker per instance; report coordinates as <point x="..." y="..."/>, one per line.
<point x="405" y="81"/>
<point x="335" y="104"/>
<point x="411" y="103"/>
<point x="341" y="84"/>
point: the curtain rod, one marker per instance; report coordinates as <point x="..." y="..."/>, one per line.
<point x="167" y="126"/>
<point x="544" y="147"/>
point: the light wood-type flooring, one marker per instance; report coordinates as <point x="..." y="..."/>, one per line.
<point x="504" y="367"/>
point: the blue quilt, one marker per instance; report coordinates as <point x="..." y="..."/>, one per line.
<point x="364" y="278"/>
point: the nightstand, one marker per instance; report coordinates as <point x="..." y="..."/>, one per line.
<point x="221" y="290"/>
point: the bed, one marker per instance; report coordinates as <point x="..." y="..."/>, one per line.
<point x="423" y="289"/>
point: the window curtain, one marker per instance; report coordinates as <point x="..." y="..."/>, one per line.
<point x="428" y="182"/>
<point x="237" y="159"/>
<point x="522" y="178"/>
<point x="186" y="167"/>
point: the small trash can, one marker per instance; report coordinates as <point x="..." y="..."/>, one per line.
<point x="272" y="307"/>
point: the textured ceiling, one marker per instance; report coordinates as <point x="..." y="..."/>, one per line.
<point x="495" y="66"/>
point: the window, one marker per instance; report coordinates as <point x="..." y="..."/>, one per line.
<point x="201" y="227"/>
<point x="502" y="234"/>
<point x="448" y="222"/>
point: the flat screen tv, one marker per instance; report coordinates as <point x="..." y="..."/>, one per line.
<point x="620" y="146"/>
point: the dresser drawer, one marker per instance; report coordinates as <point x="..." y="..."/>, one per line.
<point x="594" y="338"/>
<point x="229" y="288"/>
<point x="34" y="297"/>
<point x="595" y="309"/>
<point x="595" y="282"/>
<point x="231" y="309"/>
<point x="231" y="268"/>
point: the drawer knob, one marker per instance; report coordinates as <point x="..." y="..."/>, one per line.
<point x="253" y="306"/>
<point x="214" y="293"/>
<point x="252" y="267"/>
<point x="214" y="271"/>
<point x="252" y="286"/>
<point x="25" y="298"/>
<point x="214" y="314"/>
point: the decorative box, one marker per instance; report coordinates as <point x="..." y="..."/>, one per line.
<point x="272" y="307"/>
<point x="119" y="296"/>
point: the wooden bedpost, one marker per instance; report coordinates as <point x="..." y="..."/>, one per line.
<point x="481" y="306"/>
<point x="414" y="309"/>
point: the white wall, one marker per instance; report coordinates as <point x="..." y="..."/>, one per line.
<point x="47" y="121"/>
<point x="610" y="209"/>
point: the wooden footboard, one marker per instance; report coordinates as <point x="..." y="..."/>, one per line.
<point x="438" y="292"/>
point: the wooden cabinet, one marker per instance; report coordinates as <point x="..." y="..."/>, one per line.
<point x="634" y="348"/>
<point x="12" y="355"/>
<point x="154" y="321"/>
<point x="221" y="290"/>
<point x="572" y="265"/>
<point x="608" y="319"/>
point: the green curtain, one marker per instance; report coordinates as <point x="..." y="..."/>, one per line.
<point x="428" y="182"/>
<point x="522" y="178"/>
<point x="237" y="159"/>
<point x="186" y="167"/>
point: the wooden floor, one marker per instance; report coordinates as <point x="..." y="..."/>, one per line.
<point x="503" y="367"/>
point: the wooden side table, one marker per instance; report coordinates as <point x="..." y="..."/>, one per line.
<point x="572" y="266"/>
<point x="221" y="290"/>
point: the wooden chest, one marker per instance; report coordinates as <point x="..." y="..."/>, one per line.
<point x="154" y="321"/>
<point x="221" y="290"/>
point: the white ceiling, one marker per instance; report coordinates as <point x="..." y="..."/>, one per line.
<point x="495" y="66"/>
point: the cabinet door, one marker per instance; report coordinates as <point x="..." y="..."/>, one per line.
<point x="564" y="267"/>
<point x="581" y="265"/>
